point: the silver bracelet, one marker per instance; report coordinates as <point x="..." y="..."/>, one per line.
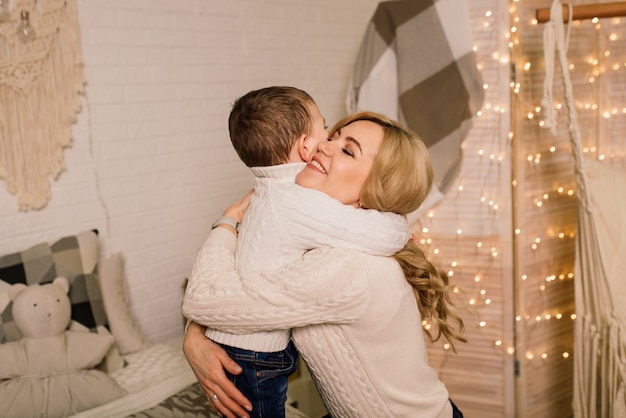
<point x="226" y="220"/>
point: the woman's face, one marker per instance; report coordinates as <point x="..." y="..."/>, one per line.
<point x="341" y="164"/>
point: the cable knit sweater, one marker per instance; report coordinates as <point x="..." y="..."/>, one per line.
<point x="284" y="220"/>
<point x="355" y="321"/>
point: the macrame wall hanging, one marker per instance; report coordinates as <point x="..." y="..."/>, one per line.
<point x="41" y="80"/>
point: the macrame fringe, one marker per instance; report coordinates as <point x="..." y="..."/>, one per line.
<point x="40" y="87"/>
<point x="599" y="346"/>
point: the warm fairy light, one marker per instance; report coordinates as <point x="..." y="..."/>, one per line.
<point x="539" y="157"/>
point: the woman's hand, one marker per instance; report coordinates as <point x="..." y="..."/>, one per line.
<point x="208" y="361"/>
<point x="238" y="209"/>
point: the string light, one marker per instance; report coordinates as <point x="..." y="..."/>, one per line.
<point x="606" y="112"/>
<point x="488" y="153"/>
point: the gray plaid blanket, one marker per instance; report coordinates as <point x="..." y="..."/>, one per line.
<point x="416" y="65"/>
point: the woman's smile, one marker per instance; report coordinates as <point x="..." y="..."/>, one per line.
<point x="317" y="164"/>
<point x="344" y="162"/>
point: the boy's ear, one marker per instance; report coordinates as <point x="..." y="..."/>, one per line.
<point x="306" y="147"/>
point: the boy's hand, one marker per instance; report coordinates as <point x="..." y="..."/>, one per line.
<point x="238" y="209"/>
<point x="208" y="361"/>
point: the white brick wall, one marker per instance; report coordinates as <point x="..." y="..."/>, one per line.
<point x="161" y="78"/>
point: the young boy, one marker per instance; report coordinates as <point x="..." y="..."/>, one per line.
<point x="274" y="131"/>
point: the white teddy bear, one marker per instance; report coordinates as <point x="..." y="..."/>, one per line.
<point x="49" y="372"/>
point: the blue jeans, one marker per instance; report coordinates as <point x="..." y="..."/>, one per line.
<point x="264" y="378"/>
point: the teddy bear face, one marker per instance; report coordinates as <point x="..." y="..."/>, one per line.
<point x="42" y="310"/>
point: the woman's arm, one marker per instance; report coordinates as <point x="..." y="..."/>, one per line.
<point x="324" y="286"/>
<point x="208" y="362"/>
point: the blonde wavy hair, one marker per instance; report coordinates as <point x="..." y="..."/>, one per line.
<point x="399" y="182"/>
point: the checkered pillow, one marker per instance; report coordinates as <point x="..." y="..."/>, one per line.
<point x="74" y="257"/>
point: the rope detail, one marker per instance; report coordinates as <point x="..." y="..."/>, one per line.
<point x="554" y="35"/>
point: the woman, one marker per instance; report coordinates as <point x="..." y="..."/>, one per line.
<point x="354" y="315"/>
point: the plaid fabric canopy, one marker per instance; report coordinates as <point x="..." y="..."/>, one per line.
<point x="416" y="65"/>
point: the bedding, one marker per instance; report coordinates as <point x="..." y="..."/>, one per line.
<point x="156" y="378"/>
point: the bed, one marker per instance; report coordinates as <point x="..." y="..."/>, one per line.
<point x="156" y="378"/>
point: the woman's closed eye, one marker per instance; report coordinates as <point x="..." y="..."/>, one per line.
<point x="347" y="152"/>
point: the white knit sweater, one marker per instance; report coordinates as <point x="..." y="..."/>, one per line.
<point x="355" y="322"/>
<point x="284" y="220"/>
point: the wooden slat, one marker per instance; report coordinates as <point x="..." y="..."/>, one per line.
<point x="588" y="11"/>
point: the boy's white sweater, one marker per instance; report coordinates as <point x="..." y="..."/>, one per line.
<point x="285" y="220"/>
